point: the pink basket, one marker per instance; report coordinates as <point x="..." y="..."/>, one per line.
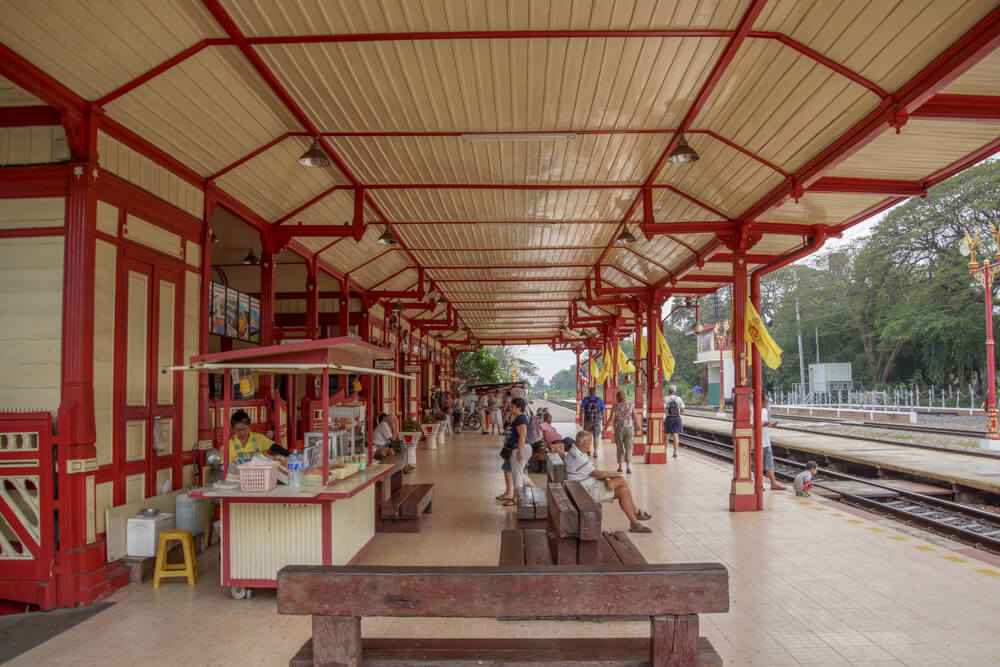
<point x="258" y="477"/>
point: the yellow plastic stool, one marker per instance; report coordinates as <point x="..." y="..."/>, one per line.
<point x="189" y="568"/>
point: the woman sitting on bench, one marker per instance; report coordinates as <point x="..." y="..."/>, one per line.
<point x="579" y="468"/>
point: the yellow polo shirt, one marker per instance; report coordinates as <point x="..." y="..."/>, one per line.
<point x="240" y="453"/>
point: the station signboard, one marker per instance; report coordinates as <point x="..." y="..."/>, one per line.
<point x="411" y="368"/>
<point x="385" y="364"/>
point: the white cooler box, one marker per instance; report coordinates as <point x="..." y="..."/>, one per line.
<point x="142" y="533"/>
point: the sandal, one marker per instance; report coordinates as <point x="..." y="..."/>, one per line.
<point x="628" y="471"/>
<point x="639" y="528"/>
<point x="508" y="502"/>
<point x="502" y="497"/>
<point x="643" y="516"/>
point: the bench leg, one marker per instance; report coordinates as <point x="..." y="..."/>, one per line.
<point x="673" y="641"/>
<point x="336" y="641"/>
<point x="428" y="510"/>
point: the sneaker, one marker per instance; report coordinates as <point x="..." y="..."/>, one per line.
<point x="803" y="494"/>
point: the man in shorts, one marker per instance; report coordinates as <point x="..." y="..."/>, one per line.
<point x="593" y="416"/>
<point x="673" y="407"/>
<point x="765" y="443"/>
<point x="603" y="487"/>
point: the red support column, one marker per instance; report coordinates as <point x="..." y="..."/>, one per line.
<point x="312" y="300"/>
<point x="639" y="444"/>
<point x="344" y="310"/>
<point x="742" y="496"/>
<point x="656" y="449"/>
<point x="266" y="308"/>
<point x="611" y="384"/>
<point x="756" y="382"/>
<point x="578" y="383"/>
<point x="205" y="430"/>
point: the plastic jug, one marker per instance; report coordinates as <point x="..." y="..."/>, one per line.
<point x="189" y="514"/>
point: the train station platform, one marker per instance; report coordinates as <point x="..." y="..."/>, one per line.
<point x="811" y="582"/>
<point x="954" y="468"/>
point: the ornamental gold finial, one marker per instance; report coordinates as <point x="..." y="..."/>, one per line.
<point x="972" y="243"/>
<point x="996" y="239"/>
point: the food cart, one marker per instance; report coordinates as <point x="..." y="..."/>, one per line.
<point x="329" y="523"/>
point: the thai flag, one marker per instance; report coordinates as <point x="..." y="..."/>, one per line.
<point x="583" y="375"/>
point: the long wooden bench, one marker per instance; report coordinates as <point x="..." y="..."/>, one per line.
<point x="574" y="524"/>
<point x="530" y="548"/>
<point x="401" y="512"/>
<point x="532" y="508"/>
<point x="671" y="596"/>
<point x="556" y="468"/>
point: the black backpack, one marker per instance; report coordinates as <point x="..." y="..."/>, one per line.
<point x="673" y="409"/>
<point x="591" y="412"/>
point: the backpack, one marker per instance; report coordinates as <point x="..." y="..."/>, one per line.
<point x="591" y="412"/>
<point x="534" y="430"/>
<point x="673" y="410"/>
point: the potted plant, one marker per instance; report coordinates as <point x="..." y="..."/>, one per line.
<point x="409" y="432"/>
<point x="430" y="427"/>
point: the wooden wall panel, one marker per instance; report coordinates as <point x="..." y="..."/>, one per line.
<point x="135" y="487"/>
<point x="192" y="330"/>
<point x="143" y="172"/>
<point x="33" y="212"/>
<point x="105" y="500"/>
<point x="165" y="357"/>
<point x="135" y="440"/>
<point x="136" y="327"/>
<point x="33" y="145"/>
<point x="31" y="282"/>
<point x="138" y="230"/>
<point x="105" y="277"/>
<point x="107" y="218"/>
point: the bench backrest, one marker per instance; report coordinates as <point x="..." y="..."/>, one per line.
<point x="490" y="592"/>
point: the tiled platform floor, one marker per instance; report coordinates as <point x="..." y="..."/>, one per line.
<point x="811" y="583"/>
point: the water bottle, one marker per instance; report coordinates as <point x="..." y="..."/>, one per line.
<point x="295" y="470"/>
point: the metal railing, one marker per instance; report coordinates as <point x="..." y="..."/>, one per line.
<point x="900" y="399"/>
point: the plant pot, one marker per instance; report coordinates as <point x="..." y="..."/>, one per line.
<point x="430" y="435"/>
<point x="409" y="437"/>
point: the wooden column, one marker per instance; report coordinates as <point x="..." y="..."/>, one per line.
<point x="742" y="497"/>
<point x="312" y="300"/>
<point x="205" y="430"/>
<point x="266" y="307"/>
<point x="656" y="450"/>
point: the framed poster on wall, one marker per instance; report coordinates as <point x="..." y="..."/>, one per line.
<point x="217" y="315"/>
<point x="243" y="317"/>
<point x="232" y="306"/>
<point x="254" y="320"/>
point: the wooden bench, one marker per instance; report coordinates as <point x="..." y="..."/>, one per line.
<point x="401" y="512"/>
<point x="385" y="487"/>
<point x="556" y="468"/>
<point x="671" y="596"/>
<point x="574" y="524"/>
<point x="530" y="548"/>
<point x="532" y="508"/>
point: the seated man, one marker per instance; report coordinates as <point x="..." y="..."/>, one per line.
<point x="549" y="433"/>
<point x="384" y="435"/>
<point x="602" y="486"/>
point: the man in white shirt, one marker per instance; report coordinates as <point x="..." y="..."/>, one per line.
<point x="765" y="442"/>
<point x="603" y="487"/>
<point x="385" y="432"/>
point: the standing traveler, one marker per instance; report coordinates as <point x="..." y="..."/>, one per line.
<point x="496" y="417"/>
<point x="624" y="418"/>
<point x="765" y="442"/>
<point x="593" y="417"/>
<point x="515" y="454"/>
<point x="673" y="406"/>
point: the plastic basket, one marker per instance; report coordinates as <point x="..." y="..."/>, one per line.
<point x="258" y="477"/>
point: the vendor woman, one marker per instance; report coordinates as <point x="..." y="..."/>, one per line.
<point x="244" y="443"/>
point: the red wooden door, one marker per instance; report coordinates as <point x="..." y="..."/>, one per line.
<point x="148" y="337"/>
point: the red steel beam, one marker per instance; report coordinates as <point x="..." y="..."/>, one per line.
<point x="29" y="116"/>
<point x="729" y="258"/>
<point x="868" y="186"/>
<point x="960" y="107"/>
<point x="158" y="69"/>
<point x="26" y="75"/>
<point x="706" y="278"/>
<point x="249" y="156"/>
<point x="972" y="47"/>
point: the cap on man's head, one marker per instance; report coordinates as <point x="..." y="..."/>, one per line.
<point x="592" y="390"/>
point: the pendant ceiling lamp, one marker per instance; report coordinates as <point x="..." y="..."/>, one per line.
<point x="399" y="306"/>
<point x="581" y="300"/>
<point x="314" y="157"/>
<point x="215" y="239"/>
<point x="251" y="258"/>
<point x="626" y="236"/>
<point x="698" y="328"/>
<point x="388" y="238"/>
<point x="683" y="154"/>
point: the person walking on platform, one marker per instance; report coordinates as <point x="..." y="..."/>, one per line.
<point x="483" y="414"/>
<point x="448" y="405"/>
<point x="765" y="442"/>
<point x="673" y="406"/>
<point x="496" y="417"/>
<point x="624" y="419"/>
<point x="593" y="416"/>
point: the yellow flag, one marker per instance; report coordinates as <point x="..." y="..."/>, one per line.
<point x="607" y="363"/>
<point x="666" y="357"/>
<point x="624" y="365"/>
<point x="640" y="343"/>
<point x="592" y="377"/>
<point x="756" y="333"/>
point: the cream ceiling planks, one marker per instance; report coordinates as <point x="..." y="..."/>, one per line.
<point x="502" y="235"/>
<point x="14" y="96"/>
<point x="589" y="159"/>
<point x="94" y="47"/>
<point x="273" y="183"/>
<point x="918" y="150"/>
<point x="983" y="78"/>
<point x="822" y="208"/>
<point x="209" y="111"/>
<point x="312" y="17"/>
<point x="504" y="205"/>
<point x="669" y="206"/>
<point x="495" y="85"/>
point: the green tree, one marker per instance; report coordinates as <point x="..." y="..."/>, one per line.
<point x="480" y="367"/>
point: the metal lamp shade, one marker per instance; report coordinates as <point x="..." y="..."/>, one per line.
<point x="683" y="154"/>
<point x="314" y="157"/>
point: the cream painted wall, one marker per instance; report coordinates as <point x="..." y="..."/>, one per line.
<point x="104" y="351"/>
<point x="33" y="145"/>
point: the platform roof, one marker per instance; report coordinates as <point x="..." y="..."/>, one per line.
<point x="808" y="117"/>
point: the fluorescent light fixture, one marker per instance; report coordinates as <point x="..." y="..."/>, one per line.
<point x="520" y="136"/>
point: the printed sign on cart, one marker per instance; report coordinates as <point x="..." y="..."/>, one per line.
<point x="411" y="368"/>
<point x="385" y="364"/>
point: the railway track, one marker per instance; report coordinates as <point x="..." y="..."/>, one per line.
<point x="954" y="449"/>
<point x="963" y="523"/>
